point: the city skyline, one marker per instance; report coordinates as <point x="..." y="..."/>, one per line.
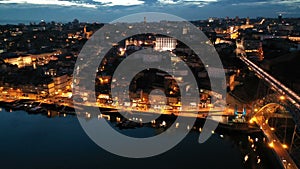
<point x="87" y="84"/>
<point x="16" y="11"/>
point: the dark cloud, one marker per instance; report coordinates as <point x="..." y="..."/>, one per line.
<point x="108" y="10"/>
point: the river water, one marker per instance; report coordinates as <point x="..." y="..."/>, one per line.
<point x="35" y="141"/>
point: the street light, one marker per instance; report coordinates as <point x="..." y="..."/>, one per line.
<point x="271" y="144"/>
<point x="281" y="98"/>
<point x="284" y="146"/>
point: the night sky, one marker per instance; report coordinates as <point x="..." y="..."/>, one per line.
<point x="15" y="11"/>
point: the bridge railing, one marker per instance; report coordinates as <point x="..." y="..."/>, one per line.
<point x="291" y="96"/>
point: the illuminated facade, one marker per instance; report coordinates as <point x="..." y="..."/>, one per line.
<point x="20" y="61"/>
<point x="254" y="47"/>
<point x="29" y="60"/>
<point x="165" y="44"/>
<point x="61" y="82"/>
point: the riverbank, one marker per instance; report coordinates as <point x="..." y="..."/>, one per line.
<point x="53" y="110"/>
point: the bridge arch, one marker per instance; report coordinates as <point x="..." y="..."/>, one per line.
<point x="269" y="110"/>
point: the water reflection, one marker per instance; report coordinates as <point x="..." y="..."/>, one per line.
<point x="35" y="141"/>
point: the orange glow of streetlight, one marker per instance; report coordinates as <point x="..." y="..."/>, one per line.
<point x="282" y="98"/>
<point x="284" y="146"/>
<point x="271" y="144"/>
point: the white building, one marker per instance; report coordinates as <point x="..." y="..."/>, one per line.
<point x="165" y="43"/>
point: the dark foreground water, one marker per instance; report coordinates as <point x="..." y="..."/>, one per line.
<point x="38" y="142"/>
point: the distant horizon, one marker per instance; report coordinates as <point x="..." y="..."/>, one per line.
<point x="105" y="11"/>
<point x="27" y="22"/>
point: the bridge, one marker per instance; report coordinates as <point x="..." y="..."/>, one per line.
<point x="261" y="118"/>
<point x="285" y="98"/>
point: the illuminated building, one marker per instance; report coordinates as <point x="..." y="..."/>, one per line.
<point x="20" y="61"/>
<point x="165" y="44"/>
<point x="26" y="60"/>
<point x="61" y="82"/>
<point x="280" y="18"/>
<point x="254" y="48"/>
<point x="247" y="25"/>
<point x="87" y="34"/>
